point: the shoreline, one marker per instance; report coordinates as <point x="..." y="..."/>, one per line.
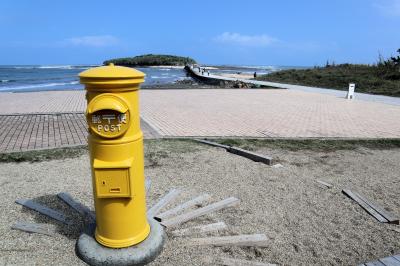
<point x="166" y="86"/>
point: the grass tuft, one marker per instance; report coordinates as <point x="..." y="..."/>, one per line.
<point x="321" y="145"/>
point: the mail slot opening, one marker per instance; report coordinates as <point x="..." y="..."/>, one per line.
<point x="115" y="190"/>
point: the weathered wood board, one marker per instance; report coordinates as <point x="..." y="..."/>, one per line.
<point x="390" y="261"/>
<point x="255" y="240"/>
<point x="325" y="184"/>
<point x="200" y="229"/>
<point x="388" y="216"/>
<point x="365" y="206"/>
<point x="214" y="144"/>
<point x="373" y="263"/>
<point x="147" y="184"/>
<point x="172" y="194"/>
<point x="177" y="220"/>
<point x="44" y="229"/>
<point x="373" y="208"/>
<point x="251" y="155"/>
<point x="239" y="262"/>
<point x="44" y="210"/>
<point x="183" y="206"/>
<point x="77" y="206"/>
<point x="241" y="152"/>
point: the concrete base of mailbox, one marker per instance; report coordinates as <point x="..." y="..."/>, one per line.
<point x="93" y="253"/>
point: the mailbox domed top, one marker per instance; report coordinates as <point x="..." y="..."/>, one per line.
<point x="108" y="77"/>
<point x="112" y="71"/>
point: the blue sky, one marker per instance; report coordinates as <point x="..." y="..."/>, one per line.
<point x="259" y="32"/>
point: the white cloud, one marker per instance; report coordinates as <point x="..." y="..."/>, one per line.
<point x="245" y="40"/>
<point x="92" y="41"/>
<point x="389" y="8"/>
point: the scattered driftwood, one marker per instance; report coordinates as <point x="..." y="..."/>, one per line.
<point x="241" y="152"/>
<point x="372" y="208"/>
<point x="234" y="262"/>
<point x="77" y="206"/>
<point x="44" y="210"/>
<point x="182" y="207"/>
<point x="325" y="184"/>
<point x="177" y="220"/>
<point x="200" y="229"/>
<point x="44" y="229"/>
<point x="256" y="240"/>
<point x="172" y="194"/>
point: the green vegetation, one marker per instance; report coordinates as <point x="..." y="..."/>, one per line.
<point x="158" y="149"/>
<point x="319" y="145"/>
<point x="381" y="78"/>
<point x="151" y="60"/>
<point x="43" y="155"/>
<point x="154" y="150"/>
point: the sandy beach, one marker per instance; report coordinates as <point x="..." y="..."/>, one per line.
<point x="306" y="223"/>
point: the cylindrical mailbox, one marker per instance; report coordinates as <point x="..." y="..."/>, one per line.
<point x="116" y="154"/>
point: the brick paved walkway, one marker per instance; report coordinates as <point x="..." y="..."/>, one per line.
<point x="40" y="131"/>
<point x="54" y="119"/>
<point x="266" y="113"/>
<point x="43" y="131"/>
<point x="42" y="102"/>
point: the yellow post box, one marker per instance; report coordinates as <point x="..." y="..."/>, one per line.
<point x="116" y="154"/>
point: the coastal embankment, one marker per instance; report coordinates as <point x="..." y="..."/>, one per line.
<point x="224" y="80"/>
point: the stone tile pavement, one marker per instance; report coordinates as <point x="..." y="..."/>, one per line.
<point x="42" y="102"/>
<point x="266" y="113"/>
<point x="40" y="120"/>
<point x="23" y="132"/>
<point x="41" y="131"/>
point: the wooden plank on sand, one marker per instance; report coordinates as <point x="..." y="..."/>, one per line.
<point x="172" y="194"/>
<point x="325" y="184"/>
<point x="397" y="257"/>
<point x="77" y="206"/>
<point x="250" y="155"/>
<point x="390" y="261"/>
<point x="200" y="229"/>
<point x="256" y="240"/>
<point x="365" y="206"/>
<point x="44" y="229"/>
<point x="147" y="184"/>
<point x="183" y="206"/>
<point x="388" y="216"/>
<point x="212" y="143"/>
<point x="238" y="262"/>
<point x="241" y="152"/>
<point x="44" y="210"/>
<point x="374" y="263"/>
<point x="177" y="220"/>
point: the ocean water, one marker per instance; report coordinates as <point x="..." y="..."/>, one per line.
<point x="65" y="77"/>
<point x="19" y="78"/>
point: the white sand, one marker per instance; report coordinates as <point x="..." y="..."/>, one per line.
<point x="307" y="224"/>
